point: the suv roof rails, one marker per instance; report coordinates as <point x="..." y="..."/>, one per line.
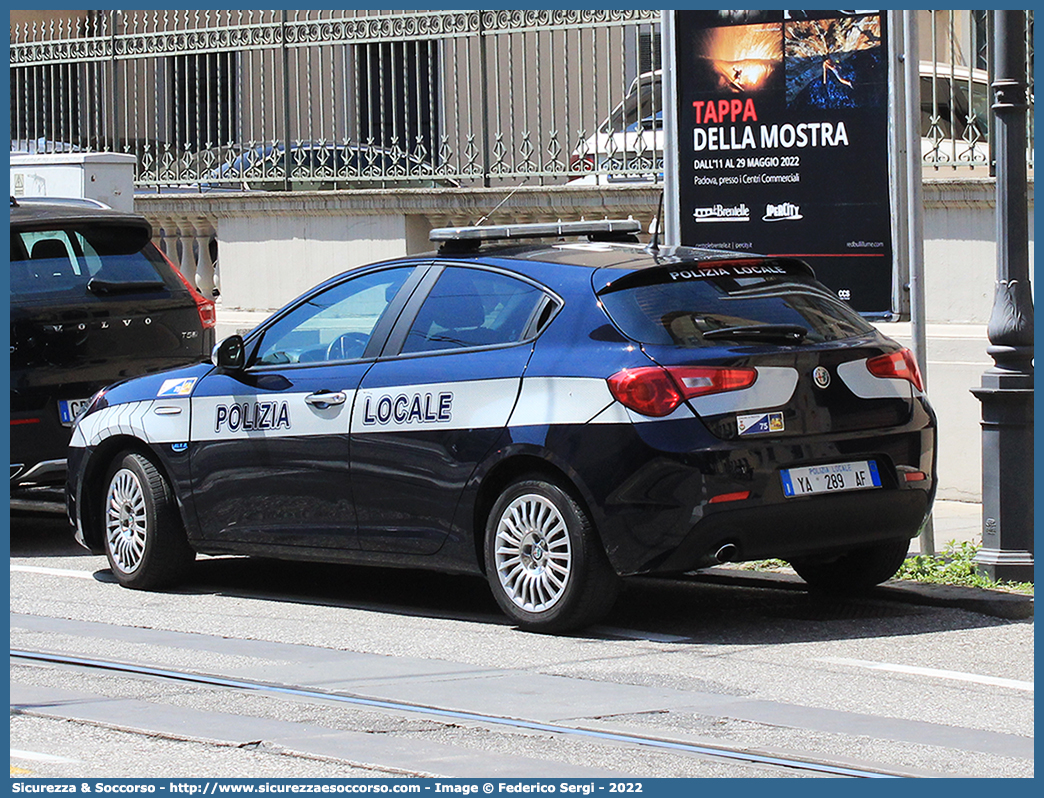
<point x="471" y="238"/>
<point x="85" y="202"/>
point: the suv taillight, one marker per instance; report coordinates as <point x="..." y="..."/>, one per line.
<point x="205" y="307"/>
<point x="899" y="365"/>
<point x="656" y="391"/>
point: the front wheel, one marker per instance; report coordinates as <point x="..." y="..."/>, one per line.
<point x="545" y="565"/>
<point x="857" y="570"/>
<point x="145" y="540"/>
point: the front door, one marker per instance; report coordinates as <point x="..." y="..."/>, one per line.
<point x="270" y="447"/>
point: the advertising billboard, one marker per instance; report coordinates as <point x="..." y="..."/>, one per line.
<point x="782" y="142"/>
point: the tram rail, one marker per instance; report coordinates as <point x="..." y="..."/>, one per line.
<point x="811" y="766"/>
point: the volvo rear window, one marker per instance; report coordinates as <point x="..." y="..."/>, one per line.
<point x="100" y="260"/>
<point x="741" y="301"/>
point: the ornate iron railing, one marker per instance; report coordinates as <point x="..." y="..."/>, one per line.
<point x="338" y="99"/>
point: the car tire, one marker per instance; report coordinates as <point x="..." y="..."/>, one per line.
<point x="856" y="570"/>
<point x="144" y="537"/>
<point x="544" y="562"/>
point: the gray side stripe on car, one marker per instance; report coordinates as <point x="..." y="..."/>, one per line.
<point x="774" y="387"/>
<point x="471" y="404"/>
<point x="865" y="385"/>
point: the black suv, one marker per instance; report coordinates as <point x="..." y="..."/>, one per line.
<point x="92" y="301"/>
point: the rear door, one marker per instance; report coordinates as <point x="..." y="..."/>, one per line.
<point x="270" y="450"/>
<point x="428" y="413"/>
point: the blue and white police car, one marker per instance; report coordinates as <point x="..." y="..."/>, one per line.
<point x="552" y="414"/>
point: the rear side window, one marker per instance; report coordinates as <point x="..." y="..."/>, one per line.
<point x="716" y="304"/>
<point x="472" y="307"/>
<point x="78" y="261"/>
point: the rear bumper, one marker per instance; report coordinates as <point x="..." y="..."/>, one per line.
<point x="802" y="527"/>
<point x="48" y="473"/>
<point x="681" y="505"/>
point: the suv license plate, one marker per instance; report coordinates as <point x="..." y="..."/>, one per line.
<point x="69" y="409"/>
<point x="830" y="478"/>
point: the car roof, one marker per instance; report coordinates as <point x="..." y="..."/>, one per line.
<point x="598" y="255"/>
<point x="38" y="214"/>
<point x="608" y="263"/>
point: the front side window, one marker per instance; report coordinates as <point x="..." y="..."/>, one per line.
<point x="472" y="307"/>
<point x="335" y="324"/>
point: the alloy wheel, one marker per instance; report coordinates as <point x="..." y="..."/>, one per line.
<point x="532" y="553"/>
<point x="126" y="520"/>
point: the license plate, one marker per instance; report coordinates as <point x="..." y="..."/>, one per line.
<point x="831" y="478"/>
<point x="69" y="409"/>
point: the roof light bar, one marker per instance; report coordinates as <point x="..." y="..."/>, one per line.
<point x="539" y="230"/>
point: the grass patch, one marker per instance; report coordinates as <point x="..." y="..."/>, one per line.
<point x="955" y="565"/>
<point x="762" y="565"/>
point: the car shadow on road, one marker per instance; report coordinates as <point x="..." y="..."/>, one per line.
<point x="686" y="609"/>
<point x="676" y="610"/>
<point x="36" y="534"/>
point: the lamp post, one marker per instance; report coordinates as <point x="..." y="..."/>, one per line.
<point x="1006" y="391"/>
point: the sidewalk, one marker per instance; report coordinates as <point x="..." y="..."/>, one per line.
<point x="952" y="520"/>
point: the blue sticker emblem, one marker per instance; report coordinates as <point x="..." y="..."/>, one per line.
<point x="178" y="387"/>
<point x="759" y="424"/>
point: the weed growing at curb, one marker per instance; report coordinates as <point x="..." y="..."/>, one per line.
<point x="955" y="565"/>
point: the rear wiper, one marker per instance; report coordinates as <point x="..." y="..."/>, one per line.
<point x="96" y="286"/>
<point x="791" y="333"/>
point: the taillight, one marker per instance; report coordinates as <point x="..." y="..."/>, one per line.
<point x="899" y="365"/>
<point x="730" y="497"/>
<point x="655" y="391"/>
<point x="648" y="390"/>
<point x="205" y="307"/>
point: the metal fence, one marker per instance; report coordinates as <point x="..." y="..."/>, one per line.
<point x="956" y="93"/>
<point x="347" y="99"/>
<point x="364" y="98"/>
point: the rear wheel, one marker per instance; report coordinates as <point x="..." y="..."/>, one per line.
<point x="856" y="570"/>
<point x="145" y="540"/>
<point x="545" y="565"/>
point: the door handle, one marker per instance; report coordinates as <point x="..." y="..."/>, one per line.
<point x="325" y="399"/>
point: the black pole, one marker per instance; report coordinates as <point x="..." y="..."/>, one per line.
<point x="1006" y="392"/>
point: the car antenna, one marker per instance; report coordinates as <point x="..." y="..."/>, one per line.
<point x="495" y="209"/>
<point x="654" y="245"/>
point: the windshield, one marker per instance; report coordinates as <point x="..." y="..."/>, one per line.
<point x="716" y="304"/>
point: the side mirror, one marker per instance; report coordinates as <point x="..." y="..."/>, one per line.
<point x="229" y="354"/>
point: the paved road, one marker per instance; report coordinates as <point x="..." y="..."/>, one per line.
<point x="438" y="682"/>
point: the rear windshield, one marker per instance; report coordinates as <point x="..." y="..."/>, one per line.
<point x="99" y="260"/>
<point x="735" y="302"/>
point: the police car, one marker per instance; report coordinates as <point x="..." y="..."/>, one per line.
<point x="553" y="415"/>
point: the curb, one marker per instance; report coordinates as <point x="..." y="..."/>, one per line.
<point x="996" y="603"/>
